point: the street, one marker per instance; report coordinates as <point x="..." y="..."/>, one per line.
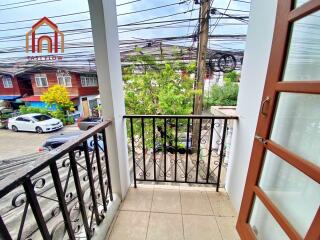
<point x="15" y="144"/>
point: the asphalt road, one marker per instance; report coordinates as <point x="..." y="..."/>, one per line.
<point x="14" y="144"/>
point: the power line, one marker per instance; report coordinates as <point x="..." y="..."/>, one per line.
<point x="88" y="19"/>
<point x="149" y="9"/>
<point x="129" y="24"/>
<point x="9" y="4"/>
<point x="126" y="3"/>
<point x="27" y="5"/>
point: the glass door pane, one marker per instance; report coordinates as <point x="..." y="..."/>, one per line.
<point x="296" y="125"/>
<point x="298" y="3"/>
<point x="295" y="194"/>
<point x="303" y="60"/>
<point x="264" y="225"/>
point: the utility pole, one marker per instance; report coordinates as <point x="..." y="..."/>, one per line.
<point x="204" y="14"/>
<point x="202" y="53"/>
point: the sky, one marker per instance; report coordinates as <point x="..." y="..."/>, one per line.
<point x="78" y="38"/>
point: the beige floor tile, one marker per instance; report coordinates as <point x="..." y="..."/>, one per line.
<point x="130" y="226"/>
<point x="138" y="199"/>
<point x="200" y="227"/>
<point x="166" y="201"/>
<point x="166" y="186"/>
<point x="227" y="226"/>
<point x="195" y="202"/>
<point x="221" y="204"/>
<point x="165" y="226"/>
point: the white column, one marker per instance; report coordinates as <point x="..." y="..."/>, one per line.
<point x="253" y="75"/>
<point x="106" y="46"/>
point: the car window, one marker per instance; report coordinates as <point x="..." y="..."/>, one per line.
<point x="55" y="145"/>
<point x="22" y="119"/>
<point x="41" y="117"/>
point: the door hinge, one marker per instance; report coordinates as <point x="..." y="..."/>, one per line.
<point x="260" y="139"/>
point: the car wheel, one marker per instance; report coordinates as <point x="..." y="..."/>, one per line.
<point x="14" y="128"/>
<point x="39" y="130"/>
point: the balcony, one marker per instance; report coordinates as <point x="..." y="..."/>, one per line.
<point x="175" y="212"/>
<point x="176" y="182"/>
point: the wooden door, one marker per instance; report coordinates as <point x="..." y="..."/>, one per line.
<point x="85" y="107"/>
<point x="282" y="193"/>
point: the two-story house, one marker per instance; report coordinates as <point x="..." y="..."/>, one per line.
<point x="31" y="83"/>
<point x="12" y="89"/>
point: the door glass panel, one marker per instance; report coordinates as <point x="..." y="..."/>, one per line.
<point x="298" y="3"/>
<point x="303" y="59"/>
<point x="263" y="223"/>
<point x="297" y="125"/>
<point x="295" y="194"/>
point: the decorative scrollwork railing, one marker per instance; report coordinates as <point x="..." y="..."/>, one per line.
<point x="62" y="195"/>
<point x="182" y="149"/>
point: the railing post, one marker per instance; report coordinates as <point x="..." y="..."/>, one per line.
<point x="91" y="181"/>
<point x="103" y="193"/>
<point x="77" y="184"/>
<point x="165" y="149"/>
<point x="187" y="150"/>
<point x="198" y="151"/>
<point x="176" y="152"/>
<point x="4" y="233"/>
<point x="62" y="202"/>
<point x="35" y="207"/>
<point x="133" y="154"/>
<point x="154" y="149"/>
<point x="210" y="149"/>
<point x="221" y="153"/>
<point x="143" y="149"/>
<point x="106" y="157"/>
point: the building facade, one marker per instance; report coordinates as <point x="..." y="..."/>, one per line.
<point x="30" y="84"/>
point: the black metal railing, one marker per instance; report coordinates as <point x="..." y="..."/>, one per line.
<point x="62" y="195"/>
<point x="178" y="148"/>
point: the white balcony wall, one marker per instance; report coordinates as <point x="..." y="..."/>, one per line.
<point x="254" y="69"/>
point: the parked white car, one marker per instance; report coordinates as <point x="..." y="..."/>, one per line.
<point x="34" y="122"/>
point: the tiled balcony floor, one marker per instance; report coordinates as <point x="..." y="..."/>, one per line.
<point x="174" y="213"/>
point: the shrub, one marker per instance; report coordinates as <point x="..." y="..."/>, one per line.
<point x="225" y="95"/>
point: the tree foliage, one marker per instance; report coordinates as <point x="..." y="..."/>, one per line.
<point x="225" y="95"/>
<point x="153" y="88"/>
<point x="59" y="96"/>
<point x="231" y="77"/>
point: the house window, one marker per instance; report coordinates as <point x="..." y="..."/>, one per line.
<point x="64" y="80"/>
<point x="7" y="82"/>
<point x="89" y="81"/>
<point x="41" y="80"/>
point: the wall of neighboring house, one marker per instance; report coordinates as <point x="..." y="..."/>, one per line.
<point x="254" y="69"/>
<point x="86" y="91"/>
<point x="14" y="91"/>
<point x="52" y="80"/>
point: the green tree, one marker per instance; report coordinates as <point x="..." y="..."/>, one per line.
<point x="59" y="96"/>
<point x="225" y="95"/>
<point x="231" y="77"/>
<point x="154" y="88"/>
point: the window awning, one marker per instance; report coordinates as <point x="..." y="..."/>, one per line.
<point x="9" y="97"/>
<point x="37" y="99"/>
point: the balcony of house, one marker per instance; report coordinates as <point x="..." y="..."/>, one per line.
<point x="177" y="167"/>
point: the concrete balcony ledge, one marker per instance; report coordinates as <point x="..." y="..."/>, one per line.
<point x="160" y="212"/>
